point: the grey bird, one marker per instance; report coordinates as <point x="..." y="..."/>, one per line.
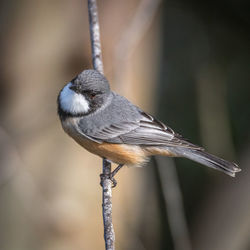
<point x="108" y="125"/>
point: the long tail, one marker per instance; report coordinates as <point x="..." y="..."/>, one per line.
<point x="208" y="160"/>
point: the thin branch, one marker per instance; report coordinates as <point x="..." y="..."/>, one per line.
<point x="95" y="36"/>
<point x="109" y="234"/>
<point x="173" y="202"/>
<point x="106" y="183"/>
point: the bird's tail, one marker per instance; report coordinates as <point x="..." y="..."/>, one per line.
<point x="208" y="160"/>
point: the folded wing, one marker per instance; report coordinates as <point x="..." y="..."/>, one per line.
<point x="147" y="131"/>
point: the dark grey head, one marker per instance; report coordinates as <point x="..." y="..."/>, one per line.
<point x="84" y="94"/>
<point x="90" y="81"/>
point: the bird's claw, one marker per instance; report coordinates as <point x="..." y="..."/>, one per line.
<point x="110" y="177"/>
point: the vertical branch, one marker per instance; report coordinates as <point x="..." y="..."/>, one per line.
<point x="95" y="36"/>
<point x="109" y="234"/>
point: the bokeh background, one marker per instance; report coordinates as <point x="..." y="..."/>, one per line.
<point x="188" y="62"/>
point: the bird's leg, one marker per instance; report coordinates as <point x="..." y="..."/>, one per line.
<point x="116" y="170"/>
<point x="111" y="175"/>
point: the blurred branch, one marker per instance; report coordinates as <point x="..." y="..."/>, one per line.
<point x="216" y="135"/>
<point x="109" y="234"/>
<point x="9" y="158"/>
<point x="139" y="25"/>
<point x="141" y="22"/>
<point x="222" y="221"/>
<point x="173" y="202"/>
<point x="213" y="111"/>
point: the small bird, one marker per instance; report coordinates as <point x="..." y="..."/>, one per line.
<point x="108" y="125"/>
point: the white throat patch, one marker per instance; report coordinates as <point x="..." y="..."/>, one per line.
<point x="72" y="102"/>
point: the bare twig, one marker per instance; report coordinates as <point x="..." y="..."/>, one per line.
<point x="173" y="202"/>
<point x="109" y="234"/>
<point x="95" y="36"/>
<point x="106" y="183"/>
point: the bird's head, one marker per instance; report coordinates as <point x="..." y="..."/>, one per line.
<point x="87" y="92"/>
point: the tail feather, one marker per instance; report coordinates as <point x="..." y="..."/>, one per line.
<point x="209" y="160"/>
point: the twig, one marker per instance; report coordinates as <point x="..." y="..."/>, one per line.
<point x="173" y="202"/>
<point x="106" y="183"/>
<point x="109" y="234"/>
<point x="95" y="36"/>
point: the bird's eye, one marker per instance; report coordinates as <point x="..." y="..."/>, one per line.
<point x="92" y="95"/>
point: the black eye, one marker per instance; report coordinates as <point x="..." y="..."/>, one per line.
<point x="92" y="95"/>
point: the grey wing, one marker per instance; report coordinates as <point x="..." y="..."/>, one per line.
<point x="146" y="131"/>
<point x="113" y="132"/>
<point x="152" y="132"/>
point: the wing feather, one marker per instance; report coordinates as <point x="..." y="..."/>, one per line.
<point x="147" y="131"/>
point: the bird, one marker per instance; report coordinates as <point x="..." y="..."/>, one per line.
<point x="110" y="126"/>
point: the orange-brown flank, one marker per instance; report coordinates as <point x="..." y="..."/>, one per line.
<point x="118" y="153"/>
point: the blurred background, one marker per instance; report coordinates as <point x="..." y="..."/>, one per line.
<point x="187" y="62"/>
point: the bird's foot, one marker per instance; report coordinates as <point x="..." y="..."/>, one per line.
<point x="111" y="176"/>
